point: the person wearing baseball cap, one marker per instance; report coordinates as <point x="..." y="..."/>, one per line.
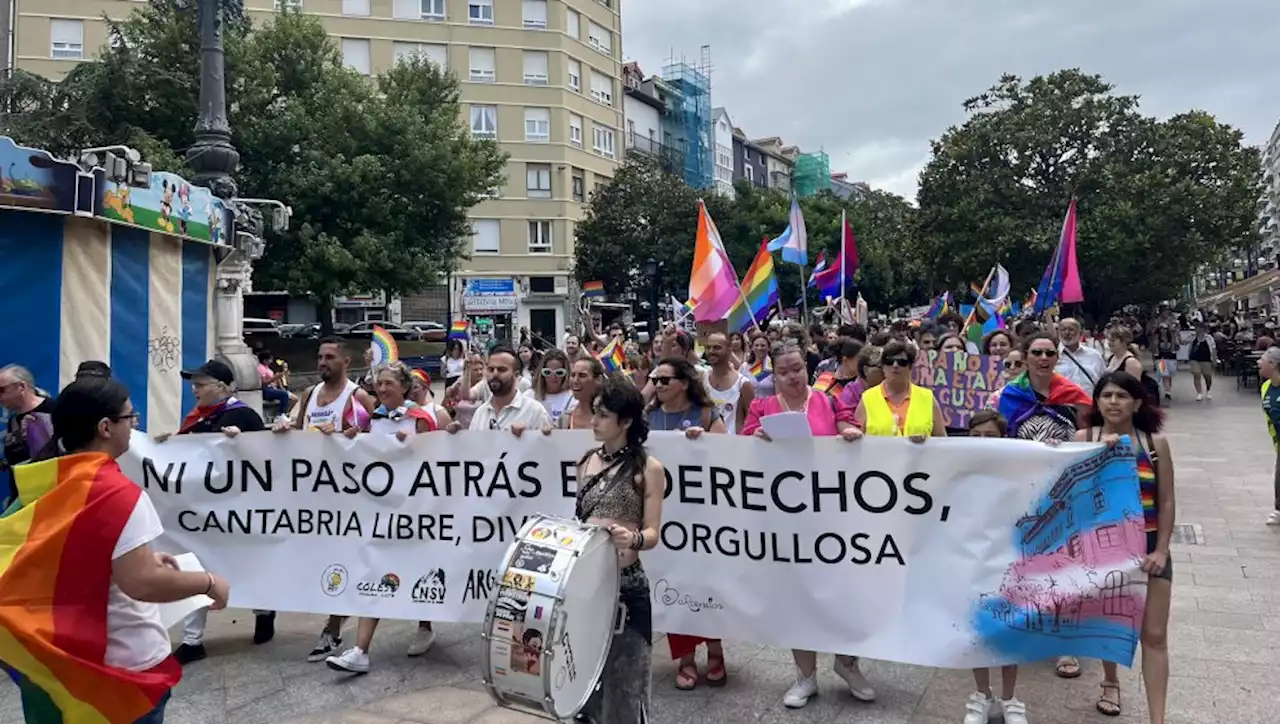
<point x="216" y="410"/>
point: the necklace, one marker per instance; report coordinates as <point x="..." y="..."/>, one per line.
<point x="787" y="406"/>
<point x="609" y="457"/>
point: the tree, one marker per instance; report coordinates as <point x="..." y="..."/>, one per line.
<point x="379" y="172"/>
<point x="1156" y="198"/>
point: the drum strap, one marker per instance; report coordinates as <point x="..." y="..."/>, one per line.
<point x="591" y="483"/>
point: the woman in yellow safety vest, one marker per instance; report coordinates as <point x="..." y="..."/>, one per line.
<point x="1269" y="372"/>
<point x="897" y="408"/>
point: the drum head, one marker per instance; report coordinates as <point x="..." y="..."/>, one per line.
<point x="581" y="641"/>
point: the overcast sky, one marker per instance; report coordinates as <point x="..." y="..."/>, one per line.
<point x="872" y="81"/>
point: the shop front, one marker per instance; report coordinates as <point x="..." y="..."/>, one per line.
<point x="490" y="304"/>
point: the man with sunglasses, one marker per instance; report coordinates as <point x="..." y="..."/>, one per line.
<point x="30" y="423"/>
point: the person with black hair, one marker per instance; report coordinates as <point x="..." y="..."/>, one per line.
<point x="621" y="490"/>
<point x="119" y="639"/>
<point x="507" y="407"/>
<point x="93" y="368"/>
<point x="1121" y="409"/>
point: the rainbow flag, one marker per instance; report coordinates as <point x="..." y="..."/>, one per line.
<point x="384" y="347"/>
<point x="712" y="280"/>
<point x="825" y="382"/>
<point x="459" y="330"/>
<point x="612" y="357"/>
<point x="55" y="570"/>
<point x="940" y="306"/>
<point x="759" y="293"/>
<point x="761" y="369"/>
<point x="593" y="289"/>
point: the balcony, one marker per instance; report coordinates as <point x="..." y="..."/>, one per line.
<point x="669" y="158"/>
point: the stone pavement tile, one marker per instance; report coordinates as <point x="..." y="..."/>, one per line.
<point x="499" y="715"/>
<point x="441" y="705"/>
<point x="341" y="717"/>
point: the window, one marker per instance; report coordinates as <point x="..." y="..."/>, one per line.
<point x="748" y="172"/>
<point x="1074" y="548"/>
<point x="539" y="237"/>
<point x="603" y="141"/>
<point x="543" y="285"/>
<point x="575" y="74"/>
<point x="535" y="67"/>
<point x="538" y="180"/>
<point x="355" y="7"/>
<point x="355" y="54"/>
<point x="485" y="236"/>
<point x="483" y="65"/>
<point x="1109" y="536"/>
<point x="1099" y="501"/>
<point x="419" y="9"/>
<point x="535" y="13"/>
<point x="599" y="38"/>
<point x="288" y="5"/>
<point x="575" y="130"/>
<point x="601" y="88"/>
<point x="66" y="38"/>
<point x="437" y="54"/>
<point x="537" y="124"/>
<point x="579" y="186"/>
<point x="573" y="24"/>
<point x="480" y="11"/>
<point x="484" y="121"/>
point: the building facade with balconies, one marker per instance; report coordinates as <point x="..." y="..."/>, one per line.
<point x="541" y="77"/>
<point x="722" y="140"/>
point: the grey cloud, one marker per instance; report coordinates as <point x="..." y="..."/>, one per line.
<point x="872" y="81"/>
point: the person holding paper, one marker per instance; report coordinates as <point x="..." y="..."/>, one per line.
<point x="826" y="416"/>
<point x="898" y="408"/>
<point x="79" y="582"/>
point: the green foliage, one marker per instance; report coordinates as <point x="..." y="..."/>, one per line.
<point x="1156" y="198"/>
<point x="380" y="172"/>
<point x="646" y="213"/>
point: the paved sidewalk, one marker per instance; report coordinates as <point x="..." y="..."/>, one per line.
<point x="1224" y="636"/>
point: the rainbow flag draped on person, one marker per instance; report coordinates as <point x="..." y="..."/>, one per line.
<point x="612" y="357"/>
<point x="761" y="369"/>
<point x="712" y="280"/>
<point x="56" y="544"/>
<point x="759" y="293"/>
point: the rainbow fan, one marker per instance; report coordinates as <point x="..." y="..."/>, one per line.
<point x="384" y="347"/>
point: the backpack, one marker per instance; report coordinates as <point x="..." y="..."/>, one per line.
<point x="1149" y="383"/>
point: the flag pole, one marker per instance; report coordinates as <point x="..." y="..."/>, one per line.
<point x="804" y="297"/>
<point x="843" y="282"/>
<point x="981" y="295"/>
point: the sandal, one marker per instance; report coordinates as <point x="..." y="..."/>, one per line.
<point x="687" y="677"/>
<point x="716" y="674"/>
<point x="1068" y="667"/>
<point x="1106" y="705"/>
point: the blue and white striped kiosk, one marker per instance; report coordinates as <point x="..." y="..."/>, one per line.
<point x="94" y="270"/>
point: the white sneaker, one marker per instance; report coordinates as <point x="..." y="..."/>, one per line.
<point x="353" y="660"/>
<point x="858" y="684"/>
<point x="1208" y="396"/>
<point x="977" y="710"/>
<point x="423" y="638"/>
<point x="1199" y="398"/>
<point x="1015" y="712"/>
<point x="1274" y="518"/>
<point x="800" y="692"/>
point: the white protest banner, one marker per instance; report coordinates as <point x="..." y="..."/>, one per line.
<point x="960" y="552"/>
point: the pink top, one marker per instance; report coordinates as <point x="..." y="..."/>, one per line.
<point x="824" y="412"/>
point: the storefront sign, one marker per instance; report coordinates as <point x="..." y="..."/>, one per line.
<point x="488" y="295"/>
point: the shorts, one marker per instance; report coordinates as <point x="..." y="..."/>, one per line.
<point x="1204" y="369"/>
<point x="1167" y="573"/>
<point x="1166" y="367"/>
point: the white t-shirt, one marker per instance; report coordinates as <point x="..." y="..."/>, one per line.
<point x="556" y="404"/>
<point x="454" y="366"/>
<point x="136" y="640"/>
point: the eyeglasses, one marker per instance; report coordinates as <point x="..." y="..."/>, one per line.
<point x="1043" y="352"/>
<point x="561" y="372"/>
<point x="898" y="362"/>
<point x="663" y="380"/>
<point x="1012" y="365"/>
<point x="132" y="417"/>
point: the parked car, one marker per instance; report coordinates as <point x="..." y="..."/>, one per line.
<point x="365" y="330"/>
<point x="253" y="327"/>
<point x="430" y="331"/>
<point x="301" y="331"/>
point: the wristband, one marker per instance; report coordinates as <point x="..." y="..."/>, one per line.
<point x="637" y="543"/>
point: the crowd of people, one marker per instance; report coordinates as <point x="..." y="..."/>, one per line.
<point x="1061" y="382"/>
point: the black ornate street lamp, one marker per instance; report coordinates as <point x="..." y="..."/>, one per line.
<point x="652" y="271"/>
<point x="212" y="157"/>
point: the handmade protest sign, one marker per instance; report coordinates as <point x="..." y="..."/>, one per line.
<point x="961" y="382"/>
<point x="922" y="553"/>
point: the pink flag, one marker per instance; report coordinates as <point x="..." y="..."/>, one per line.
<point x="1071" y="291"/>
<point x="712" y="280"/>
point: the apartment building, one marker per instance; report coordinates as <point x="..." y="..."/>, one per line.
<point x="723" y="138"/>
<point x="542" y="77"/>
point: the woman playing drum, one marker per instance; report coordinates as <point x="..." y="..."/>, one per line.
<point x="620" y="488"/>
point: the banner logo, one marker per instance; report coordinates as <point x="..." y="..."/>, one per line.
<point x="334" y="580"/>
<point x="430" y="588"/>
<point x="669" y="596"/>
<point x="385" y="587"/>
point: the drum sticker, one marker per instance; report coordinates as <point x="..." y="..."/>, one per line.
<point x="559" y="535"/>
<point x="531" y="557"/>
<point x="526" y="650"/>
<point x="512" y="604"/>
<point x="522" y="581"/>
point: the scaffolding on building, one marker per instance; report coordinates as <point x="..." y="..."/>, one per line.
<point x="689" y="118"/>
<point x="812" y="174"/>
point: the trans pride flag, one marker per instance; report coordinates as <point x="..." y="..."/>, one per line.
<point x="55" y="570"/>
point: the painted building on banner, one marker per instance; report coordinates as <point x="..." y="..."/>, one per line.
<point x="103" y="271"/>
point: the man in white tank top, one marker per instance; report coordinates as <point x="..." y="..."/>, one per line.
<point x="729" y="389"/>
<point x="331" y="406"/>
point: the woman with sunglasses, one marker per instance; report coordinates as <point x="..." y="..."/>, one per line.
<point x="682" y="403"/>
<point x="1013" y="363"/>
<point x="898" y="408"/>
<point x="551" y="385"/>
<point x="827" y="416"/>
<point x="1119" y="409"/>
<point x="585" y="378"/>
<point x="1043" y="406"/>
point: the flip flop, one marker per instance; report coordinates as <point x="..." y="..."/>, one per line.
<point x="1068" y="667"/>
<point x="687" y="677"/>
<point x="716" y="674"/>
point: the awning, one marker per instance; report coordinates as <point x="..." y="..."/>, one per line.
<point x="1243" y="288"/>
